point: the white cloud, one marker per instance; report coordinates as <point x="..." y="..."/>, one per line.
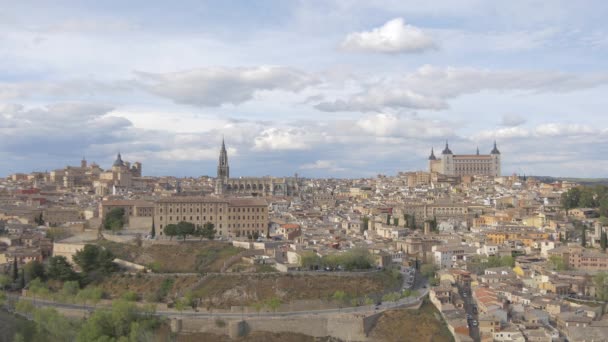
<point x="560" y="129"/>
<point x="430" y="87"/>
<point x="215" y="86"/>
<point x="512" y="120"/>
<point x="281" y="139"/>
<point x="329" y="165"/>
<point x="395" y="36"/>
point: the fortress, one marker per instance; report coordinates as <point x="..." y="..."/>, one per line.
<point x="465" y="164"/>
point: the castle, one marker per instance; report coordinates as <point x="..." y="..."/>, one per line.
<point x="465" y="164"/>
<point x="251" y="186"/>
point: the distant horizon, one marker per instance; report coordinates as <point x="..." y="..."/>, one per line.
<point x="343" y="89"/>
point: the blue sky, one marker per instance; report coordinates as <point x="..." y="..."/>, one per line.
<point x="321" y="88"/>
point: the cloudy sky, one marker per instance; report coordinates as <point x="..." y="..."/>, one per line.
<point x="322" y="88"/>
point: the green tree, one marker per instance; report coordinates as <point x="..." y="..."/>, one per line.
<point x="15" y="269"/>
<point x="558" y="263"/>
<point x="365" y="221"/>
<point x="115" y="219"/>
<point x="583" y="235"/>
<point x="185" y="228"/>
<point x="309" y="260"/>
<point x="95" y="261"/>
<point x="396" y="221"/>
<point x="340" y="297"/>
<point x="90" y="294"/>
<point x="59" y="268"/>
<point x="70" y="289"/>
<point x="34" y="269"/>
<point x="600" y="280"/>
<point x="153" y="231"/>
<point x="124" y="322"/>
<point x="587" y="198"/>
<point x="570" y="199"/>
<point x="4" y="281"/>
<point x="273" y="303"/>
<point x="21" y="279"/>
<point x="428" y="270"/>
<point x="208" y="231"/>
<point x="171" y="231"/>
<point x="603" y="241"/>
<point x="388" y="219"/>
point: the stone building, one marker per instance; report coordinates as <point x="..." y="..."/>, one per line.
<point x="466" y="164"/>
<point x="119" y="179"/>
<point x="251" y="186"/>
<point x="232" y="217"/>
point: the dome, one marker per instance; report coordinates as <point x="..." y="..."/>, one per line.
<point x="118" y="161"/>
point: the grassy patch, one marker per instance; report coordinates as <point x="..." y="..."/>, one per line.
<point x="190" y="256"/>
<point x="411" y="325"/>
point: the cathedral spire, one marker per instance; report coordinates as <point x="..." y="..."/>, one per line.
<point x="495" y="149"/>
<point x="432" y="156"/>
<point x="223" y="170"/>
<point x="446" y="150"/>
<point x="477" y="150"/>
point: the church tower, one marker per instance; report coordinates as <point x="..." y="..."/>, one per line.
<point x="223" y="170"/>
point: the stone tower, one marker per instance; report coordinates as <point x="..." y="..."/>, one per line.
<point x="447" y="160"/>
<point x="495" y="160"/>
<point x="223" y="170"/>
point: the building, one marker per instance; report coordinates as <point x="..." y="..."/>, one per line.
<point x="232" y="217"/>
<point x="138" y="213"/>
<point x="118" y="180"/>
<point x="251" y="186"/>
<point x="466" y="164"/>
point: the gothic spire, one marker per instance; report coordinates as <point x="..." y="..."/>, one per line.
<point x="432" y="156"/>
<point x="495" y="149"/>
<point x="446" y="150"/>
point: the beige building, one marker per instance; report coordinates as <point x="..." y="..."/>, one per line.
<point x="466" y="164"/>
<point x="232" y="217"/>
<point x="138" y="213"/>
<point x="58" y="216"/>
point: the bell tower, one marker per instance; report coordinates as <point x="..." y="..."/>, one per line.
<point x="223" y="170"/>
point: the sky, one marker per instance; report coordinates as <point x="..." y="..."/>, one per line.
<point x="319" y="88"/>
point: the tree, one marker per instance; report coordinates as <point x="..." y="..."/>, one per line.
<point x="428" y="270"/>
<point x="209" y="231"/>
<point x="60" y="269"/>
<point x="309" y="260"/>
<point x="185" y="228"/>
<point x="4" y="281"/>
<point x="583" y="236"/>
<point x="339" y="296"/>
<point x="22" y="280"/>
<point x="171" y="231"/>
<point x="396" y="221"/>
<point x="33" y="269"/>
<point x="70" y="289"/>
<point x="15" y="269"/>
<point x="39" y="220"/>
<point x="153" y="231"/>
<point x="600" y="280"/>
<point x="273" y="303"/>
<point x="558" y="263"/>
<point x="115" y="219"/>
<point x="90" y="294"/>
<point x="365" y="221"/>
<point x="95" y="262"/>
<point x="570" y="199"/>
<point x="413" y="222"/>
<point x="603" y="241"/>
<point x="388" y="219"/>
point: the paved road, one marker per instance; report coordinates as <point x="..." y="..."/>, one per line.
<point x="469" y="303"/>
<point x="362" y="309"/>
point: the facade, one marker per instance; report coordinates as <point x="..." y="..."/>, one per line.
<point x="232" y="217"/>
<point x="466" y="164"/>
<point x="251" y="186"/>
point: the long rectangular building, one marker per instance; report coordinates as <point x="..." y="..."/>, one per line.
<point x="232" y="217"/>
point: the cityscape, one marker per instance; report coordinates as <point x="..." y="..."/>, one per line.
<point x="303" y="171"/>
